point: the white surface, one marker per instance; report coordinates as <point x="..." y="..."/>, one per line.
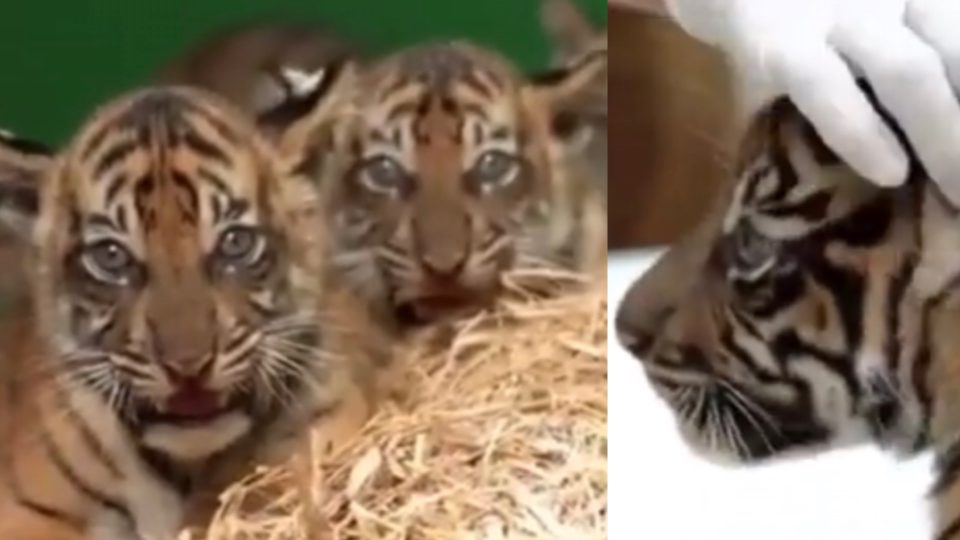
<point x="658" y="490"/>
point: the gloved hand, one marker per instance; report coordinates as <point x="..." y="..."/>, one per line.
<point x="909" y="51"/>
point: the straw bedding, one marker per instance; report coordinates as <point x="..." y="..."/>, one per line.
<point x="503" y="436"/>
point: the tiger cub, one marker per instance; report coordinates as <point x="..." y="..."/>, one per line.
<point x="574" y="37"/>
<point x="232" y="62"/>
<point x="444" y="170"/>
<point x="180" y="328"/>
<point x="817" y="310"/>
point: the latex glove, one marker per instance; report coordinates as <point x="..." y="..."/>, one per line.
<point x="909" y="51"/>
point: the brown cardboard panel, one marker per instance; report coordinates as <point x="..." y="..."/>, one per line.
<point x="672" y="129"/>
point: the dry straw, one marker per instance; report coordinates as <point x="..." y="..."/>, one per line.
<point x="503" y="437"/>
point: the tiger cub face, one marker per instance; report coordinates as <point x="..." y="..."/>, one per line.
<point x="446" y="177"/>
<point x="177" y="270"/>
<point x="781" y="341"/>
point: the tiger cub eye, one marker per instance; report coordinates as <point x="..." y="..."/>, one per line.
<point x="494" y="169"/>
<point x="240" y="247"/>
<point x="108" y="261"/>
<point x="751" y="250"/>
<point x="237" y="242"/>
<point x="383" y="174"/>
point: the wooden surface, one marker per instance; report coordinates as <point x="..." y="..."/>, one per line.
<point x="672" y="129"/>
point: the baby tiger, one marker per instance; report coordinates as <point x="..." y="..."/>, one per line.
<point x="180" y="327"/>
<point x="813" y="310"/>
<point x="447" y="170"/>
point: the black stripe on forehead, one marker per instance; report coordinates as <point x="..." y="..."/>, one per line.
<point x="113" y="156"/>
<point x="236" y="208"/>
<point x="116" y="184"/>
<point x="402" y="108"/>
<point x="139" y="116"/>
<point x="100" y="220"/>
<point x="472" y="80"/>
<point x="214" y="180"/>
<point x="172" y="112"/>
<point x="501" y="133"/>
<point x="206" y="148"/>
<point x="476" y="110"/>
<point x="399" y="83"/>
<point x="222" y="128"/>
<point x="223" y="204"/>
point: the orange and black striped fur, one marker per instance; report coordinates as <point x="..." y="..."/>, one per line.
<point x="448" y="170"/>
<point x="180" y="327"/>
<point x="813" y="310"/>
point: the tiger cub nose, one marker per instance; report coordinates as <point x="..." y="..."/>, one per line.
<point x="187" y="368"/>
<point x="443" y="265"/>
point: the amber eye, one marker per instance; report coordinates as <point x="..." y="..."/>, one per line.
<point x="108" y="261"/>
<point x="494" y="169"/>
<point x="384" y="175"/>
<point x="240" y="244"/>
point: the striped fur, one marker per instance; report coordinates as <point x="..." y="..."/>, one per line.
<point x="822" y="312"/>
<point x="448" y="171"/>
<point x="181" y="327"/>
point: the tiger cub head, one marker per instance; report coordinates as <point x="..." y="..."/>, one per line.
<point x="767" y="331"/>
<point x="177" y="264"/>
<point x="445" y="176"/>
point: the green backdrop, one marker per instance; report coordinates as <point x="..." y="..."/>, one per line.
<point x="63" y="57"/>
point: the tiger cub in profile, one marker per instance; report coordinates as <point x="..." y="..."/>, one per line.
<point x="180" y="329"/>
<point x="817" y="310"/>
<point x="446" y="169"/>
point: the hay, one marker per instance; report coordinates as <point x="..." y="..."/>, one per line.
<point x="503" y="437"/>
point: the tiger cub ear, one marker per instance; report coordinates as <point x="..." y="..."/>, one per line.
<point x="574" y="96"/>
<point x="23" y="163"/>
<point x="570" y="32"/>
<point x="302" y="106"/>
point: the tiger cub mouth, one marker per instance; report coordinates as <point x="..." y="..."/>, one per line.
<point x="192" y="404"/>
<point x="433" y="308"/>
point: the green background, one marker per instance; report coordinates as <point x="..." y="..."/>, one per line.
<point x="60" y="59"/>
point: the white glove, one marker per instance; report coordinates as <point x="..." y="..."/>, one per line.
<point x="909" y="51"/>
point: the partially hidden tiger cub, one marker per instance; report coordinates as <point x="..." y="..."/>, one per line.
<point x="812" y="310"/>
<point x="446" y="169"/>
<point x="181" y="328"/>
<point x="573" y="36"/>
<point x="232" y="62"/>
